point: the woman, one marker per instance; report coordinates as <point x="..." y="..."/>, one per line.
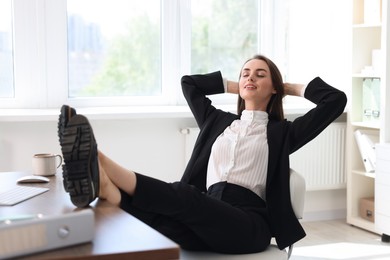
<point x="234" y="194"/>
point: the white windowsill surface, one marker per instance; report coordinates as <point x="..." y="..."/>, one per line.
<point x="96" y="113"/>
<point x="116" y="113"/>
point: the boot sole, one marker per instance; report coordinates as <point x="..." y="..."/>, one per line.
<point x="67" y="112"/>
<point x="79" y="150"/>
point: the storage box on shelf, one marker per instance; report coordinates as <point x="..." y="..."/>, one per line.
<point x="367" y="209"/>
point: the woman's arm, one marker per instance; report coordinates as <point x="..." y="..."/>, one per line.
<point x="196" y="88"/>
<point x="232" y="87"/>
<point x="293" y="89"/>
<point x="330" y="103"/>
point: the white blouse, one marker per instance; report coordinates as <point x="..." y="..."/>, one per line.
<point x="240" y="154"/>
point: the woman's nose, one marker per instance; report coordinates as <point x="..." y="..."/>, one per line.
<point x="250" y="78"/>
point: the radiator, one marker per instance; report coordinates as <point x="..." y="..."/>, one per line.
<point x="321" y="161"/>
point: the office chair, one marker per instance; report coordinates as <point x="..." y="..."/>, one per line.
<point x="297" y="193"/>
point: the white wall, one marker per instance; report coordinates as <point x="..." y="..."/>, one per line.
<point x="325" y="205"/>
<point x="152" y="146"/>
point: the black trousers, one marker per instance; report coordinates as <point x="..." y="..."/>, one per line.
<point x="226" y="219"/>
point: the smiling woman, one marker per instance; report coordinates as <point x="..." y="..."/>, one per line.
<point x="256" y="85"/>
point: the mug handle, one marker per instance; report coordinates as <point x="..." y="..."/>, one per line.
<point x="59" y="156"/>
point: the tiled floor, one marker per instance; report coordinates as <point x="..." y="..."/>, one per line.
<point x="336" y="239"/>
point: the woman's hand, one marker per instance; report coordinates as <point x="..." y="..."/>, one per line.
<point x="293" y="89"/>
<point x="232" y="87"/>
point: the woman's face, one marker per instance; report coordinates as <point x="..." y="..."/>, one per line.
<point x="255" y="85"/>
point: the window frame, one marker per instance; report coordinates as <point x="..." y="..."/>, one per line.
<point x="8" y="26"/>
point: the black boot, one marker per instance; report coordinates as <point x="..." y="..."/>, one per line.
<point x="79" y="150"/>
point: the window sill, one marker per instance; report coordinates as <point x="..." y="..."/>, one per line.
<point x="110" y="113"/>
<point x="97" y="113"/>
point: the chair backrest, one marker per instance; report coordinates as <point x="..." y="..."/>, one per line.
<point x="297" y="193"/>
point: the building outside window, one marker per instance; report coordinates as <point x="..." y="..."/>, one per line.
<point x="114" y="48"/>
<point x="224" y="34"/>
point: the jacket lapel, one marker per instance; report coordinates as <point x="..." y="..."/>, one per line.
<point x="274" y="138"/>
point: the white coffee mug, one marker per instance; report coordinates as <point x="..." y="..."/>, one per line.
<point x="46" y="164"/>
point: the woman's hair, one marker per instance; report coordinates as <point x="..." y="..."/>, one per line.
<point x="275" y="104"/>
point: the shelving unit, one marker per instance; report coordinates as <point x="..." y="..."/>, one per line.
<point x="366" y="37"/>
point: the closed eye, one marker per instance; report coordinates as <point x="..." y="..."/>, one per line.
<point x="246" y="72"/>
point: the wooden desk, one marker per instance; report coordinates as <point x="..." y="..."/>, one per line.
<point x="118" y="235"/>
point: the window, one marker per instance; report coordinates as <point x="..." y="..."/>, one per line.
<point x="119" y="53"/>
<point x="114" y="48"/>
<point x="125" y="52"/>
<point x="321" y="46"/>
<point x="122" y="52"/>
<point x="224" y="34"/>
<point x="315" y="42"/>
<point x="89" y="53"/>
<point x="6" y="50"/>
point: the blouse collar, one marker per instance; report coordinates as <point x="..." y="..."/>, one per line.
<point x="255" y="116"/>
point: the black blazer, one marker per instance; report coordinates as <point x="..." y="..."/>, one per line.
<point x="284" y="138"/>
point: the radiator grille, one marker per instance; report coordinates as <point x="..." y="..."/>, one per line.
<point x="322" y="161"/>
